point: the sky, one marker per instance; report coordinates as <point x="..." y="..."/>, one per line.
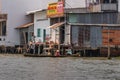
<point x="38" y="4"/>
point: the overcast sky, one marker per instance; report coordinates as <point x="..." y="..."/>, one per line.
<point x="39" y="4"/>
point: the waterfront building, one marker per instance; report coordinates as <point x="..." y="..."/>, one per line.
<point x="97" y="28"/>
<point x="16" y="10"/>
<point x="3" y="27"/>
<point x="41" y="23"/>
<point x="93" y="29"/>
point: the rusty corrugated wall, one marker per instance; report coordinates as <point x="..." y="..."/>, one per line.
<point x="86" y="36"/>
<point x="93" y="37"/>
<point x="95" y="18"/>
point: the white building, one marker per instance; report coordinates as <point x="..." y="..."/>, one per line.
<point x="16" y="10"/>
<point x="41" y="24"/>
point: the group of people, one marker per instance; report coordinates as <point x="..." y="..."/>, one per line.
<point x="47" y="48"/>
<point x="35" y="48"/>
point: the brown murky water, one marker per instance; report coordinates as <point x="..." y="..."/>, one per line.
<point x="25" y="68"/>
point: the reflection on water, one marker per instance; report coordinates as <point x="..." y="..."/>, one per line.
<point x="22" y="68"/>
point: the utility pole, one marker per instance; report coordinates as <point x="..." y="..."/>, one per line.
<point x="109" y="57"/>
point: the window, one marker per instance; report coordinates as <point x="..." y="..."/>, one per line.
<point x="39" y="32"/>
<point x="110" y="1"/>
<point x="44" y="35"/>
<point x="106" y="1"/>
<point x="113" y="1"/>
<point x="3" y="28"/>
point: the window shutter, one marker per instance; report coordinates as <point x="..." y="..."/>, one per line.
<point x="38" y="32"/>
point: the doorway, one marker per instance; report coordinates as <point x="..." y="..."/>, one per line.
<point x="62" y="34"/>
<point x="26" y="35"/>
<point x="44" y="35"/>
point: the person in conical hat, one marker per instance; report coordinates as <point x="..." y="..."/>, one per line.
<point x="57" y="53"/>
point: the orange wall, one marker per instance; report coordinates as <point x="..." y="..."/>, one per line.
<point x="113" y="34"/>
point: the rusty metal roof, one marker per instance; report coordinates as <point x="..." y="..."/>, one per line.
<point x="56" y="25"/>
<point x="25" y="25"/>
<point x="97" y="25"/>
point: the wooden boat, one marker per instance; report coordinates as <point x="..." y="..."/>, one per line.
<point x="36" y="55"/>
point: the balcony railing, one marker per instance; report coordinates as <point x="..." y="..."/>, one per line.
<point x="109" y="7"/>
<point x="104" y="7"/>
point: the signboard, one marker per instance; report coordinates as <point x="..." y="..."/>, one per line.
<point x="55" y="9"/>
<point x="113" y="37"/>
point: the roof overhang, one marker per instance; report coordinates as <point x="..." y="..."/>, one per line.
<point x="34" y="11"/>
<point x="25" y="26"/>
<point x="1" y="20"/>
<point x="67" y="10"/>
<point x="56" y="25"/>
<point x="97" y="25"/>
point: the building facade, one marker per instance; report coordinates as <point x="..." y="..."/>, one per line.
<point x="97" y="28"/>
<point x="17" y="15"/>
<point x="3" y="27"/>
<point x="41" y="24"/>
<point x="93" y="28"/>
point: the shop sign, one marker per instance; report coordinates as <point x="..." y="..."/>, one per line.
<point x="55" y="9"/>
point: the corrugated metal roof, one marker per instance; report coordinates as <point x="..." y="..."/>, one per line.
<point x="1" y="20"/>
<point x="34" y="11"/>
<point x="56" y="25"/>
<point x="67" y="10"/>
<point x="25" y="26"/>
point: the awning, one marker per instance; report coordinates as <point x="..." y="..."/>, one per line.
<point x="1" y="20"/>
<point x="97" y="25"/>
<point x="25" y="26"/>
<point x="56" y="25"/>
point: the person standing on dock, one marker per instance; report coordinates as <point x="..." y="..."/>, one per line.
<point x="32" y="48"/>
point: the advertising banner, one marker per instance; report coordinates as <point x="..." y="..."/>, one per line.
<point x="55" y="9"/>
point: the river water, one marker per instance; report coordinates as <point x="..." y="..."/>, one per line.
<point x="27" y="68"/>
